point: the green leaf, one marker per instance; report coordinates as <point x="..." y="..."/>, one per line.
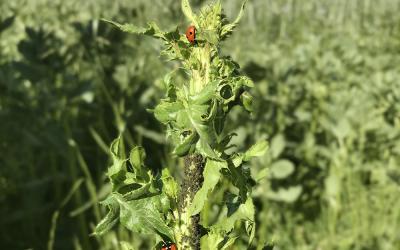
<point x="170" y="186"/>
<point x="115" y="148"/>
<point x="205" y="149"/>
<point x="187" y="10"/>
<point x="242" y="212"/>
<point x="137" y="193"/>
<point x="151" y="30"/>
<point x="240" y="177"/>
<point x="250" y="230"/>
<point x="277" y="145"/>
<point x="167" y="111"/>
<point x="262" y="174"/>
<point x="206" y="94"/>
<point x="142" y="216"/>
<point x="216" y="240"/>
<point x="211" y="240"/>
<point x="210" y="20"/>
<point x="228" y="244"/>
<point x="247" y="101"/>
<point x="227" y="29"/>
<point x="257" y="150"/>
<point x="288" y="195"/>
<point x="111" y="218"/>
<point x="282" y="169"/>
<point x="201" y="117"/>
<point x="169" y="86"/>
<point x="211" y="175"/>
<point x="208" y="35"/>
<point x="186" y="145"/>
<point x="137" y="157"/>
<point x="237" y="159"/>
<point x="246" y="81"/>
<point x="116" y="172"/>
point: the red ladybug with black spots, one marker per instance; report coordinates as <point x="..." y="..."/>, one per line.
<point x="191" y="34"/>
<point x="169" y="246"/>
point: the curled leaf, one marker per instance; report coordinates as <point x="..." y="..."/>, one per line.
<point x="111" y="218"/>
<point x="167" y="111"/>
<point x="183" y="148"/>
<point x="228" y="28"/>
<point x="137" y="157"/>
<point x="247" y="101"/>
<point x="206" y="94"/>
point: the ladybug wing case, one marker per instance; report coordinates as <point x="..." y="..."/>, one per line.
<point x="191" y="34"/>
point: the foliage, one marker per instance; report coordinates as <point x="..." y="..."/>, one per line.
<point x="326" y="97"/>
<point x="194" y="112"/>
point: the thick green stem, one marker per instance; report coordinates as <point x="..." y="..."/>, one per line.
<point x="193" y="179"/>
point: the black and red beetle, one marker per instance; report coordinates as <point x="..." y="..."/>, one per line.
<point x="169" y="246"/>
<point x="191" y="34"/>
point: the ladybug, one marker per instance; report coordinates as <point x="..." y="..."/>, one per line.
<point x="191" y="34"/>
<point x="170" y="246"/>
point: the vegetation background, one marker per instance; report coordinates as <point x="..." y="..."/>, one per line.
<point x="327" y="96"/>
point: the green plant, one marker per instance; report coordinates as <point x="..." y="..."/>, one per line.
<point x="326" y="96"/>
<point x="194" y="110"/>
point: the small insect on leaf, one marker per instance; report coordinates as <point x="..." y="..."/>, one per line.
<point x="191" y="34"/>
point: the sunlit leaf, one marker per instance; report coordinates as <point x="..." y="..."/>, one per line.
<point x="277" y="145"/>
<point x="142" y="216"/>
<point x="286" y="194"/>
<point x="281" y="169"/>
<point x="111" y="219"/>
<point x="257" y="150"/>
<point x="187" y="10"/>
<point x="211" y="177"/>
<point x="239" y="212"/>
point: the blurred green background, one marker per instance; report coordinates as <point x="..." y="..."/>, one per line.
<point x="327" y="96"/>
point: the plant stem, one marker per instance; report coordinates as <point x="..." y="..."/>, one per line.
<point x="192" y="182"/>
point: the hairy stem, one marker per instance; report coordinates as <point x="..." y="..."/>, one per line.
<point x="193" y="179"/>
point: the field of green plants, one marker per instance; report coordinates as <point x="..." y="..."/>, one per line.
<point x="326" y="97"/>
